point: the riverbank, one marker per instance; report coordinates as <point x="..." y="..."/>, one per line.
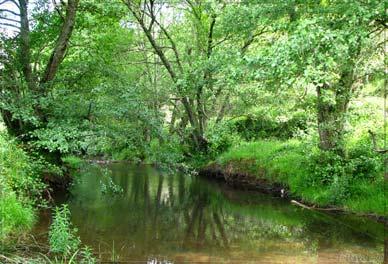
<point x="290" y="169"/>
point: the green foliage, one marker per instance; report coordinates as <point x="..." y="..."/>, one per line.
<point x="166" y="152"/>
<point x="19" y="172"/>
<point x="64" y="241"/>
<point x="329" y="172"/>
<point x="72" y="161"/>
<point x="63" y="237"/>
<point x="108" y="186"/>
<point x="16" y="217"/>
<point x="87" y="256"/>
<point x="221" y="137"/>
<point x="365" y="114"/>
<point x="326" y="167"/>
<point x="365" y="163"/>
<point x="263" y="125"/>
<point x="368" y="197"/>
<point x="62" y="136"/>
<point x="125" y="152"/>
<point x="20" y="189"/>
<point x="322" y="178"/>
<point x="266" y="71"/>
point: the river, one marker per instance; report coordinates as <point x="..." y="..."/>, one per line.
<point x="139" y="214"/>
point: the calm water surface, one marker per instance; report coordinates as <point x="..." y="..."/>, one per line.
<point x="137" y="214"/>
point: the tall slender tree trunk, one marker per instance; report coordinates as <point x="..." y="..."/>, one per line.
<point x="195" y="116"/>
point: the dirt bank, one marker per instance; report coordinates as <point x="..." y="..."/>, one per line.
<point x="243" y="180"/>
<point x="239" y="179"/>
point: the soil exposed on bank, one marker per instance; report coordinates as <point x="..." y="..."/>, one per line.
<point x="243" y="180"/>
<point x="240" y="179"/>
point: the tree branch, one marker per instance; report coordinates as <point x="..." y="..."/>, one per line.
<point x="152" y="41"/>
<point x="25" y="53"/>
<point x="57" y="10"/>
<point x="150" y="8"/>
<point x="172" y="42"/>
<point x="9" y="25"/>
<point x="59" y="51"/>
<point x="12" y="1"/>
<point x="195" y="13"/>
<point x="139" y="16"/>
<point x="10" y="19"/>
<point x="9" y="11"/>
<point x="210" y="37"/>
<point x="374" y="142"/>
<point x="251" y="39"/>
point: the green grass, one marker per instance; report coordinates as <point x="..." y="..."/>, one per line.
<point x="20" y="189"/>
<point x="371" y="199"/>
<point x="72" y="161"/>
<point x="290" y="163"/>
<point x="282" y="161"/>
<point x="16" y="217"/>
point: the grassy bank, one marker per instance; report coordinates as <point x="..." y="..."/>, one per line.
<point x="355" y="184"/>
<point x="20" y="188"/>
<point x="21" y="196"/>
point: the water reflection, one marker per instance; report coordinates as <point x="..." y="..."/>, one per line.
<point x="135" y="213"/>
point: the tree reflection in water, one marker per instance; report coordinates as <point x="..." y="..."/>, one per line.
<point x="181" y="218"/>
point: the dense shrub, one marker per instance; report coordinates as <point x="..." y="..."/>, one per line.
<point x="366" y="114"/>
<point x="20" y="189"/>
<point x="221" y="137"/>
<point x="168" y="152"/>
<point x="19" y="172"/>
<point x="324" y="167"/>
<point x="263" y="125"/>
<point x="364" y="162"/>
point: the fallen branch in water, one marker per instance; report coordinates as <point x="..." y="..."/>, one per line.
<point x="381" y="219"/>
<point x="315" y="208"/>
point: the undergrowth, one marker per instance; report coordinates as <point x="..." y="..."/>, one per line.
<point x="355" y="183"/>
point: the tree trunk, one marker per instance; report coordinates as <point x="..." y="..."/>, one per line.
<point x="24" y="54"/>
<point x="332" y="106"/>
<point x="14" y="127"/>
<point x="330" y="126"/>
<point x="62" y="42"/>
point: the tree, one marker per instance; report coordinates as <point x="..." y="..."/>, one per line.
<point x="24" y="78"/>
<point x="332" y="49"/>
<point x="202" y="69"/>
